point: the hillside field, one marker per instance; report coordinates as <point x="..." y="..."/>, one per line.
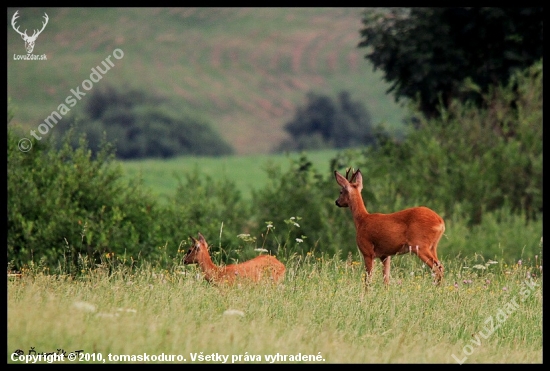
<point x="245" y="70"/>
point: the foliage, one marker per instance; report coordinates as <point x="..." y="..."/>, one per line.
<point x="211" y="205"/>
<point x="143" y="125"/>
<point x="324" y="123"/>
<point x="305" y="193"/>
<point x="482" y="158"/>
<point x="438" y="55"/>
<point x="68" y="209"/>
<point x="64" y="207"/>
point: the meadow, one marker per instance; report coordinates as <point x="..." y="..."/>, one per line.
<point x="161" y="311"/>
<point x="246" y="70"/>
<point x="248" y="172"/>
<point x="320" y="314"/>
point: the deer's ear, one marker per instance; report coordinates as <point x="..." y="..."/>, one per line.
<point x="201" y="237"/>
<point x="358" y="179"/>
<point x="343" y="182"/>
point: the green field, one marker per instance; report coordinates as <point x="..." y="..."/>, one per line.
<point x="320" y="314"/>
<point x="245" y="70"/>
<point x="247" y="171"/>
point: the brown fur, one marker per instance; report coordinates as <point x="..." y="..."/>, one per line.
<point x="416" y="230"/>
<point x="263" y="267"/>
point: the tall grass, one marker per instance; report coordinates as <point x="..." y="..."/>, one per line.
<point x="321" y="309"/>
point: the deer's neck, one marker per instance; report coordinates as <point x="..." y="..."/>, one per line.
<point x="358" y="209"/>
<point x="211" y="270"/>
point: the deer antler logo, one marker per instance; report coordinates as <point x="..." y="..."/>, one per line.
<point x="29" y="40"/>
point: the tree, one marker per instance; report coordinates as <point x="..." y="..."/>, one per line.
<point x="470" y="160"/>
<point x="438" y="54"/>
<point x="143" y="125"/>
<point x="325" y="123"/>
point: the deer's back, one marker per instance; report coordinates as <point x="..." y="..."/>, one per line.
<point x="392" y="231"/>
<point x="262" y="267"/>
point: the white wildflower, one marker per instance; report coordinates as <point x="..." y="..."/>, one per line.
<point x="127" y="310"/>
<point x="85" y="307"/>
<point x="233" y="312"/>
<point x="107" y="315"/>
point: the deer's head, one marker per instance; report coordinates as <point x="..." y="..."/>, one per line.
<point x="349" y="184"/>
<point x="195" y="252"/>
<point x="29" y="40"/>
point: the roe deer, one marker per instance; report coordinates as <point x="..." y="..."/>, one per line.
<point x="255" y="270"/>
<point x="415" y="230"/>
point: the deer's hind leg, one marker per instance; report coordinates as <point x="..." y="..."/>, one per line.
<point x="386" y="261"/>
<point x="426" y="254"/>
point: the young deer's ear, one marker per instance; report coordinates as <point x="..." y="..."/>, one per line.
<point x="201" y="238"/>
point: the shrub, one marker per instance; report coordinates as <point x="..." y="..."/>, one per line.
<point x="64" y="207"/>
<point x="68" y="210"/>
<point x="143" y="125"/>
<point x="212" y="206"/>
<point x="482" y="158"/>
<point x="324" y="123"/>
<point x="303" y="193"/>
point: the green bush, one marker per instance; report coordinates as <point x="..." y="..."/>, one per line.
<point x="427" y="53"/>
<point x="301" y="192"/>
<point x="68" y="210"/>
<point x="479" y="158"/>
<point x="64" y="207"/>
<point x="502" y="234"/>
<point x="327" y="123"/>
<point x="143" y="125"/>
<point x="212" y="206"/>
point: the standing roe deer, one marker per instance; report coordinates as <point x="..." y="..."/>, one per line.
<point x="255" y="270"/>
<point x="415" y="230"/>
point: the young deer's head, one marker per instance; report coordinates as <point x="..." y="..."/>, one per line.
<point x="197" y="251"/>
<point x="353" y="184"/>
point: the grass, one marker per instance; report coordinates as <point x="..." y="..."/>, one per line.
<point x="245" y="70"/>
<point x="321" y="310"/>
<point x="247" y="171"/>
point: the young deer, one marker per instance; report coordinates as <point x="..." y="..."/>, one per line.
<point x="257" y="269"/>
<point x="416" y="230"/>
